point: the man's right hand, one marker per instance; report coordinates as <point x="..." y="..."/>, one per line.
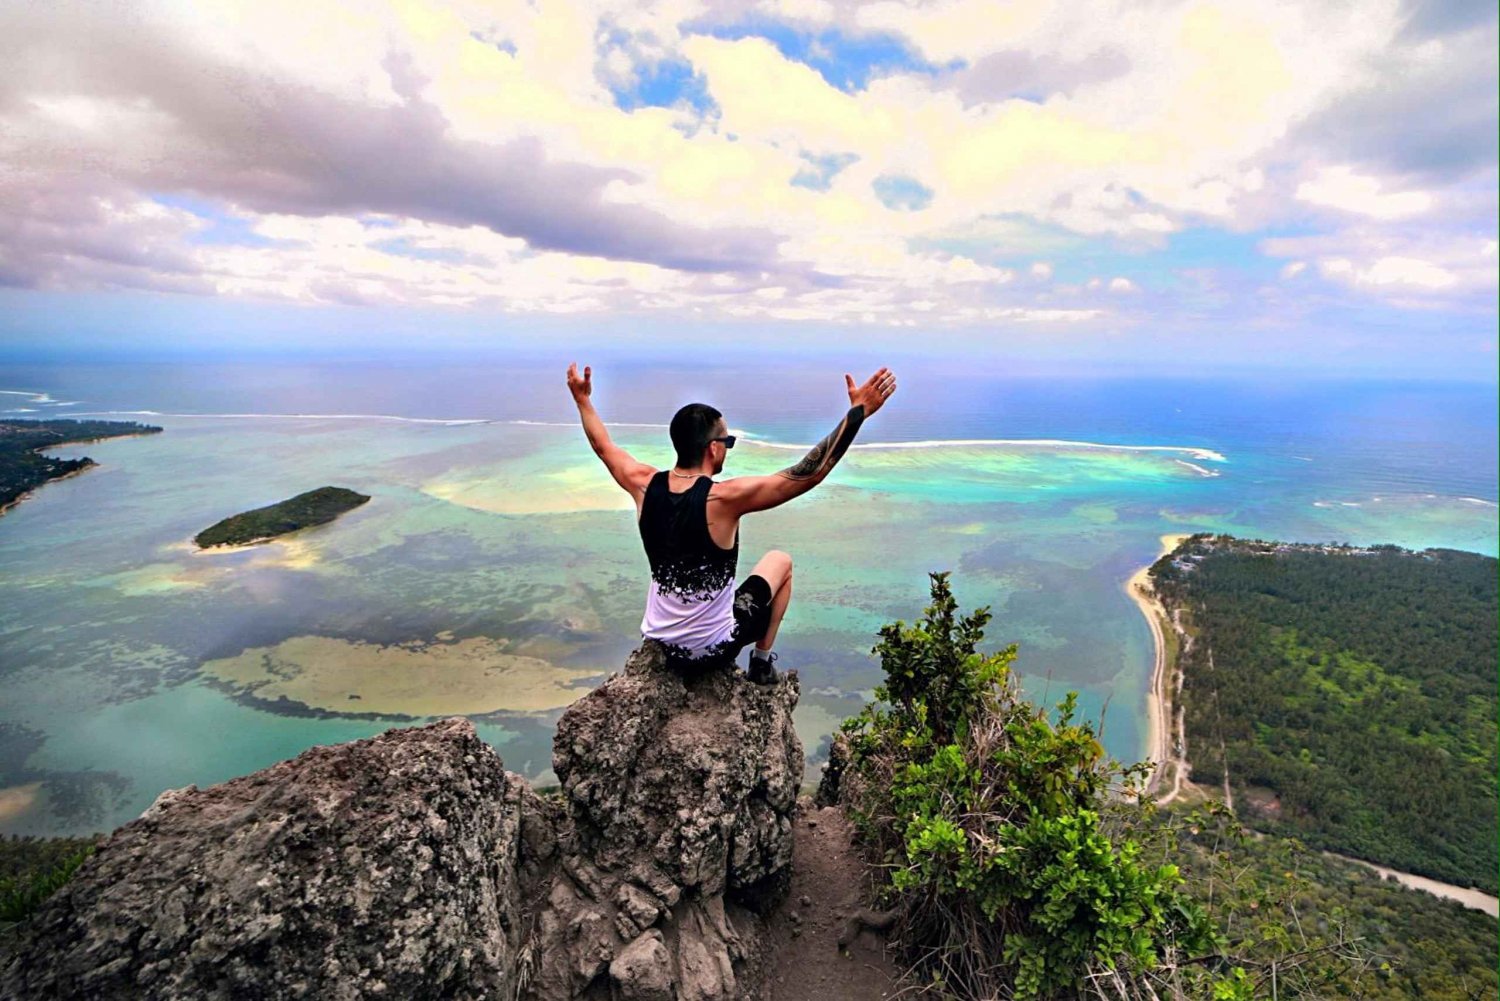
<point x="580" y="387"/>
<point x="875" y="391"/>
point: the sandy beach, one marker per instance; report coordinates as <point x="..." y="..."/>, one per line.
<point x="1158" y="734"/>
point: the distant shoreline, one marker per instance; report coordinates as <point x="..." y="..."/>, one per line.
<point x="30" y="492"/>
<point x="27" y="461"/>
<point x="1157" y="704"/>
<point x="1160" y="752"/>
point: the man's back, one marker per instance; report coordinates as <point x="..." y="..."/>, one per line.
<point x="690" y="602"/>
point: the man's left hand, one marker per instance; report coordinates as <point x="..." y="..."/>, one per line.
<point x="873" y="393"/>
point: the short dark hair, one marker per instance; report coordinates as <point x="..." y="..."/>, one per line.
<point x="692" y="428"/>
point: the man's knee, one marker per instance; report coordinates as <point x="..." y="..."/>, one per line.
<point x="777" y="568"/>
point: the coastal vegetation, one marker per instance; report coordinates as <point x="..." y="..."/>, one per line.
<point x="1010" y="868"/>
<point x="23" y="467"/>
<point x="1306" y="918"/>
<point x="1347" y="695"/>
<point x="315" y="507"/>
<point x="1017" y="860"/>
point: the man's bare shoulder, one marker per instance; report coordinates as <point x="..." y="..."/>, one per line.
<point x="735" y="487"/>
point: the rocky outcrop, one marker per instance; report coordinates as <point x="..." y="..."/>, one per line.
<point x="413" y="865"/>
<point x="394" y="867"/>
<point x="679" y="796"/>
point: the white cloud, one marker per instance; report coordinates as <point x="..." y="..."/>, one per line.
<point x="1411" y="272"/>
<point x="815" y="11"/>
<point x="1387" y="263"/>
<point x="1341" y="188"/>
<point x="487" y="140"/>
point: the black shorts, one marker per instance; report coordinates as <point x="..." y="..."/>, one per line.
<point x="752" y="617"/>
<point x="752" y="611"/>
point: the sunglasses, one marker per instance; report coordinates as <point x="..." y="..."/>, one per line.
<point x="727" y="440"/>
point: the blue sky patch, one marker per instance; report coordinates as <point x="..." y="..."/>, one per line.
<point x="223" y="229"/>
<point x="847" y="62"/>
<point x="820" y="171"/>
<point x="503" y="44"/>
<point x="664" y="84"/>
<point x="403" y="247"/>
<point x="1076" y="258"/>
<point x="904" y="194"/>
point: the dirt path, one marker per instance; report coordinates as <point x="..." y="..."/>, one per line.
<point x="1476" y="900"/>
<point x="828" y="883"/>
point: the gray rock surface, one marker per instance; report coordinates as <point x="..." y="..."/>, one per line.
<point x="680" y="794"/>
<point x="412" y="865"/>
<point x="384" y="867"/>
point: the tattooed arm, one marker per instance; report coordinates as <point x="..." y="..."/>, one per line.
<point x="819" y="462"/>
<point x="757" y="493"/>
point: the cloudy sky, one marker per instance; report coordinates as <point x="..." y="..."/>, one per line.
<point x="1222" y="184"/>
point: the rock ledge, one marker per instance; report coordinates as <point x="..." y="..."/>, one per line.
<point x="412" y="864"/>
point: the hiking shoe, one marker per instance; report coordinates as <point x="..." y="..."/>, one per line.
<point x="762" y="670"/>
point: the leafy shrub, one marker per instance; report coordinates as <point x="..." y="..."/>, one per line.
<point x="1000" y="831"/>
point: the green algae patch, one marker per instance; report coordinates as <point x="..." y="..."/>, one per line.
<point x="315" y="507"/>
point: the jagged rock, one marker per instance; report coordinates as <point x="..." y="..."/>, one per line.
<point x="680" y="794"/>
<point x="389" y="866"/>
<point x="642" y="970"/>
<point x="412" y="865"/>
<point x="689" y="771"/>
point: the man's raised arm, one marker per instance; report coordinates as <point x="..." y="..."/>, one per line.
<point x="757" y="493"/>
<point x="632" y="476"/>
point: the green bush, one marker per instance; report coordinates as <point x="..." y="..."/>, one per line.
<point x="999" y="830"/>
<point x="32" y="869"/>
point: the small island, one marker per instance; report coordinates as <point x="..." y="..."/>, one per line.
<point x="23" y="467"/>
<point x="263" y="523"/>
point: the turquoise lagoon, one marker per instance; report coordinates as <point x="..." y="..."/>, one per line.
<point x="497" y="571"/>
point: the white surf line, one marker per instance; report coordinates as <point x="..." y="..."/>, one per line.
<point x="31" y="396"/>
<point x="360" y="417"/>
<point x="574" y="424"/>
<point x="44" y="399"/>
<point x="316" y="417"/>
<point x="1205" y="454"/>
<point x="1196" y="468"/>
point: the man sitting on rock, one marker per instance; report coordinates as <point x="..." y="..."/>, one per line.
<point x="690" y="524"/>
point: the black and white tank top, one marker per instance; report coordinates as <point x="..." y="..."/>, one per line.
<point x="691" y="602"/>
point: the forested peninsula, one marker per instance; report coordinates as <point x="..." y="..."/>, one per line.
<point x="23" y="467"/>
<point x="315" y="507"/>
<point x="1344" y="695"/>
